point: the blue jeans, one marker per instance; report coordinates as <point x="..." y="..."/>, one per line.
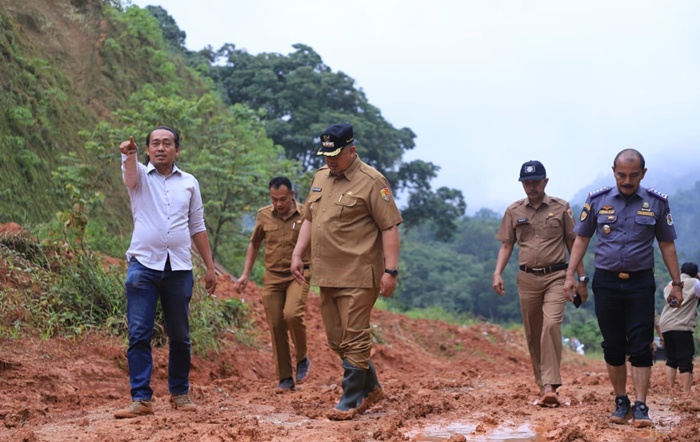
<point x="144" y="287"/>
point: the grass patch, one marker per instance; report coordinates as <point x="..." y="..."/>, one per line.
<point x="433" y="313"/>
<point x="53" y="289"/>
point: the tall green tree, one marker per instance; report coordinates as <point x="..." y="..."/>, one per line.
<point x="301" y="96"/>
<point x="443" y="208"/>
<point x="456" y="275"/>
<point x="235" y="163"/>
<point x="172" y="34"/>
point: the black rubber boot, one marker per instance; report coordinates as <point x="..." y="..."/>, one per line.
<point x="372" y="391"/>
<point x="353" y="387"/>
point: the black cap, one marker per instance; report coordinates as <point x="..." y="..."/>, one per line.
<point x="532" y="170"/>
<point x="335" y="138"/>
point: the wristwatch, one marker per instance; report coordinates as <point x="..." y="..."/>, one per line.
<point x="584" y="279"/>
<point x="392" y="272"/>
<point x="677" y="284"/>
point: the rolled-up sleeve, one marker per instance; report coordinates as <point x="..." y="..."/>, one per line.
<point x="196" y="218"/>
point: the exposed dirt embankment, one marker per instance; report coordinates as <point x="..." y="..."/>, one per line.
<point x="441" y="380"/>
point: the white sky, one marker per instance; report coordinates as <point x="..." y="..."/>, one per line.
<point x="488" y="85"/>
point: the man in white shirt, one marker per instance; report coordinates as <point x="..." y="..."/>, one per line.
<point x="168" y="215"/>
<point x="677" y="326"/>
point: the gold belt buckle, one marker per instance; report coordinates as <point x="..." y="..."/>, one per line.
<point x="623" y="275"/>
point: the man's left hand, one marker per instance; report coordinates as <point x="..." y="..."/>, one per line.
<point x="210" y="281"/>
<point x="387" y="285"/>
<point x="582" y="291"/>
<point x="677" y="294"/>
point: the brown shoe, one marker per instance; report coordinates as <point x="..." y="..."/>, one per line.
<point x="135" y="409"/>
<point x="549" y="398"/>
<point x="182" y="402"/>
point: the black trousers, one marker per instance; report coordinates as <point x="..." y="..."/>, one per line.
<point x="625" y="312"/>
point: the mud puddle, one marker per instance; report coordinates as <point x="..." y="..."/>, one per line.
<point x="473" y="433"/>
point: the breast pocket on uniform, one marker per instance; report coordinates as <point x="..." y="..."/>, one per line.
<point x="553" y="228"/>
<point x="293" y="231"/>
<point x="644" y="224"/>
<point x="349" y="206"/>
<point x="523" y="230"/>
<point x="314" y="204"/>
<point x="607" y="225"/>
<point x="272" y="234"/>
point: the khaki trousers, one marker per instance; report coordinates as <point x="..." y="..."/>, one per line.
<point x="542" y="305"/>
<point x="285" y="306"/>
<point x="346" y="314"/>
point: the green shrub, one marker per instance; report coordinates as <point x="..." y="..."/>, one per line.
<point x="55" y="289"/>
<point x="435" y="312"/>
<point x="211" y="318"/>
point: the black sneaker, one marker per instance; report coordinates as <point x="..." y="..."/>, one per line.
<point x="640" y="415"/>
<point x="622" y="410"/>
<point x="303" y="369"/>
<point x="286" y="384"/>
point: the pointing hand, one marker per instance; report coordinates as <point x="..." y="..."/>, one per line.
<point x="128" y="147"/>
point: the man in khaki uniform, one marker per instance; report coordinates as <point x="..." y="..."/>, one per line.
<point x="283" y="297"/>
<point x="352" y="228"/>
<point x="543" y="228"/>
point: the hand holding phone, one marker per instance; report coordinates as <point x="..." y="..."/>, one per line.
<point x="577" y="300"/>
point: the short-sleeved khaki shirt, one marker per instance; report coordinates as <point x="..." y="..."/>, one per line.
<point x="540" y="234"/>
<point x="280" y="237"/>
<point x="348" y="213"/>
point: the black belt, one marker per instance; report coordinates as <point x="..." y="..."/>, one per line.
<point x="545" y="270"/>
<point x="307" y="266"/>
<point x="625" y="275"/>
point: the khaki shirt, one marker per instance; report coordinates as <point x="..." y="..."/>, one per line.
<point x="348" y="214"/>
<point x="540" y="234"/>
<point x="280" y="237"/>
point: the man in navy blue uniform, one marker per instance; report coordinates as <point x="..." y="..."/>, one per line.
<point x="626" y="219"/>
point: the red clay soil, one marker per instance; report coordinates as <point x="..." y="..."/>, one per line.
<point x="442" y="382"/>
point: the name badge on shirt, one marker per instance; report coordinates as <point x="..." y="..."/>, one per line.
<point x="521" y="221"/>
<point x="316" y="189"/>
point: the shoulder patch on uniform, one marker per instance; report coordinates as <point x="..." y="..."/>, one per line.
<point x="584" y="212"/>
<point x="598" y="192"/>
<point x="656" y="193"/>
<point x="385" y="193"/>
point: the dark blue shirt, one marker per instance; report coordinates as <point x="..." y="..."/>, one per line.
<point x="626" y="227"/>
